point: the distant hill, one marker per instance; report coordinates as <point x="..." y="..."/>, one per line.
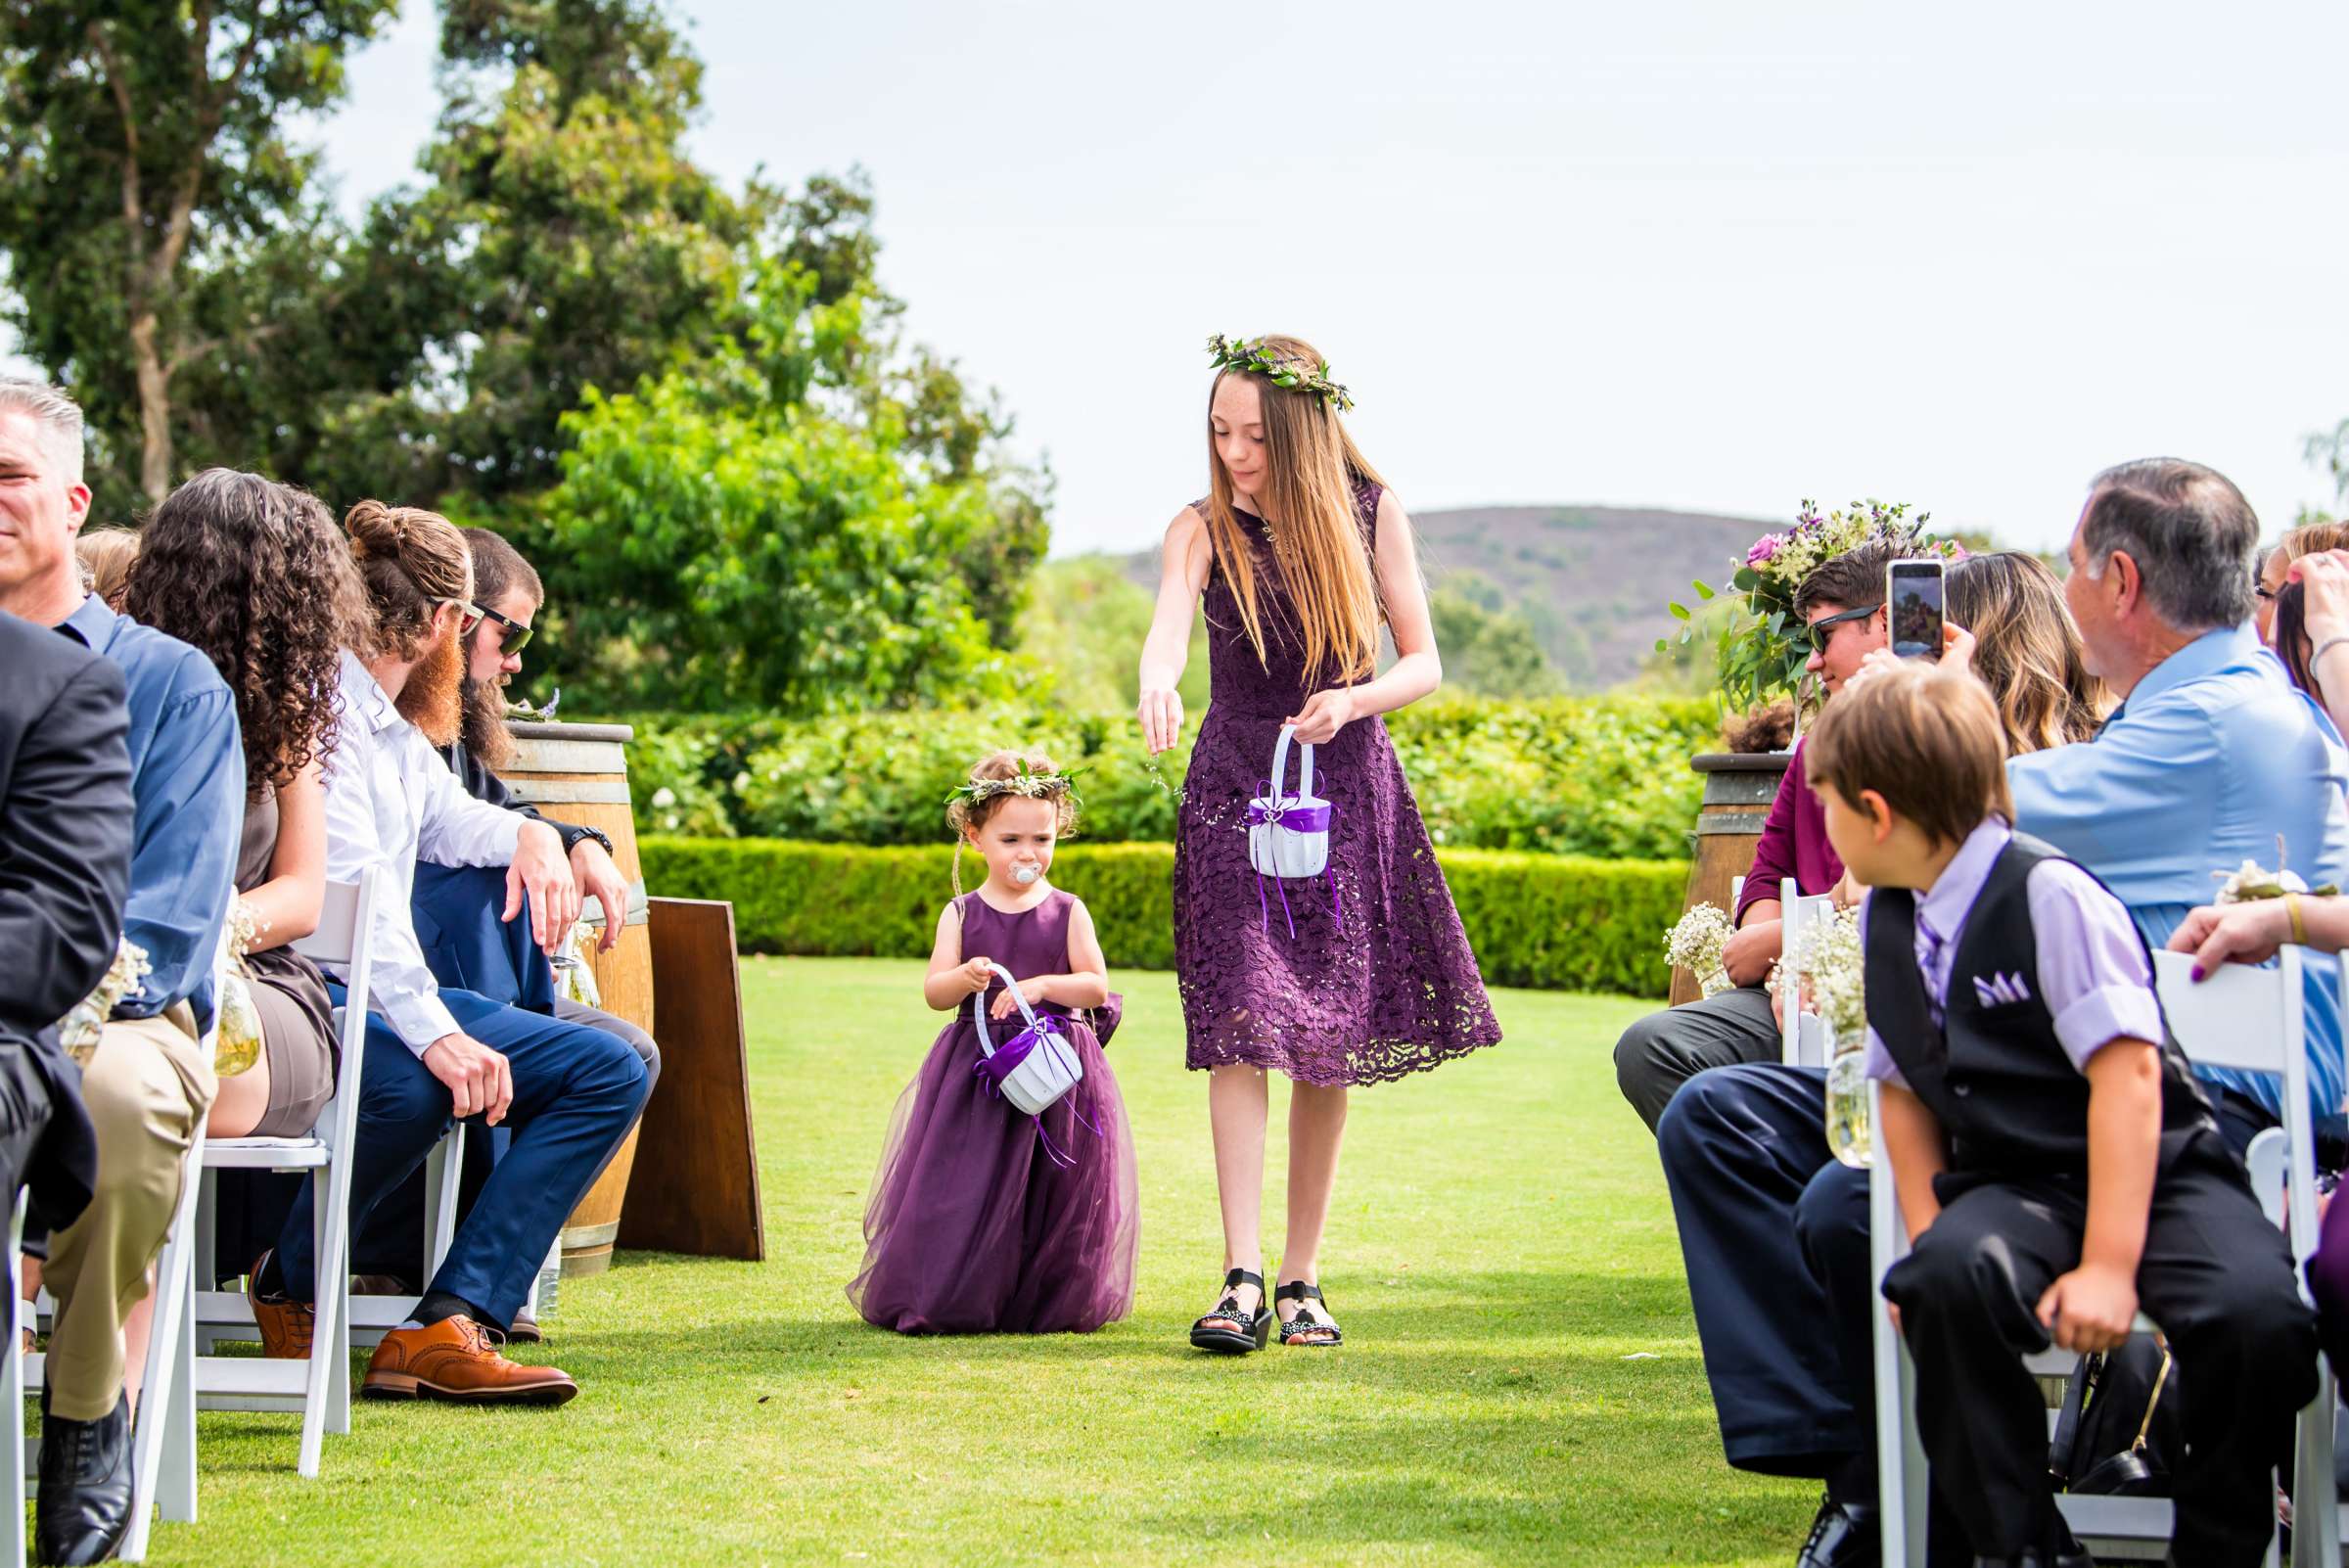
<point x="1592" y="580"/>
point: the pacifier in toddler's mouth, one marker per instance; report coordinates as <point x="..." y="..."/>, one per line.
<point x="1026" y="873"/>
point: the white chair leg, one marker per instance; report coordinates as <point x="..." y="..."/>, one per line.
<point x="11" y="1385"/>
<point x="207" y="1208"/>
<point x="2316" y="1529"/>
<point x="444" y="1177"/>
<point x="174" y="1291"/>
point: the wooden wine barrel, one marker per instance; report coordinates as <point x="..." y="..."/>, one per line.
<point x="579" y="773"/>
<point x="1738" y="788"/>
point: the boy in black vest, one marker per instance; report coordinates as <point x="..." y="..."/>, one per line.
<point x="2054" y="1161"/>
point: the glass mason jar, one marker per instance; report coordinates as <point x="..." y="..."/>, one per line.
<point x="236" y="1033"/>
<point x="1849" y="1132"/>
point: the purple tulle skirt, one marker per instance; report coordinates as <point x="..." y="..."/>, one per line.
<point x="974" y="1229"/>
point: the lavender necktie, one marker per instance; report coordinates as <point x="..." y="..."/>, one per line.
<point x="1928" y="954"/>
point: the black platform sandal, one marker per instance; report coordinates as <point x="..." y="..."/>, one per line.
<point x="1235" y="1341"/>
<point x="1304" y="1327"/>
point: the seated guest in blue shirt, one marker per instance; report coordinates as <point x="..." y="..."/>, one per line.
<point x="2054" y="1158"/>
<point x="434" y="1052"/>
<point x="2212" y="755"/>
<point x="150" y="1082"/>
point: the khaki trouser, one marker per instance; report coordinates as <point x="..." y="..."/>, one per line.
<point x="147" y="1085"/>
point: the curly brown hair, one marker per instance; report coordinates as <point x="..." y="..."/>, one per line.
<point x="256" y="574"/>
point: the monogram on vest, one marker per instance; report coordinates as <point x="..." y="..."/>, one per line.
<point x="1994" y="1071"/>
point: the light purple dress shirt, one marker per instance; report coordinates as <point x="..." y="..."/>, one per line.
<point x="2091" y="963"/>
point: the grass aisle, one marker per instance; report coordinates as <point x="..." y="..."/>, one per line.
<point x="1500" y="1245"/>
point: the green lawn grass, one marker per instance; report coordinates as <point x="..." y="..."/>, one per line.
<point x="1520" y="1385"/>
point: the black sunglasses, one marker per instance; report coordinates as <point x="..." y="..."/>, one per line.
<point x="514" y="638"/>
<point x="1819" y="632"/>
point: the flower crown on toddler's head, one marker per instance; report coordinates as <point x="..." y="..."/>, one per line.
<point x="1035" y="786"/>
<point x="1255" y="359"/>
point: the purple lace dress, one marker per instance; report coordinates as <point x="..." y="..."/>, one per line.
<point x="972" y="1227"/>
<point x="1393" y="991"/>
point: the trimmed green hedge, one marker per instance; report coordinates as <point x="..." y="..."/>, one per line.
<point x="1551" y="922"/>
<point x="1605" y="776"/>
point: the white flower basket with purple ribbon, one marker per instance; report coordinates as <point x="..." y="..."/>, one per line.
<point x="1036" y="1068"/>
<point x="1288" y="834"/>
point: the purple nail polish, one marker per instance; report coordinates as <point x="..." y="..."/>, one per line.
<point x="2195" y="974"/>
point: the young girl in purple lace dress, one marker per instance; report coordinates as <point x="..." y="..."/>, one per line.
<point x="984" y="1219"/>
<point x="1357" y="978"/>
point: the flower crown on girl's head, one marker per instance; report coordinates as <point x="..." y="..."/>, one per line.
<point x="1256" y="361"/>
<point x="1035" y="786"/>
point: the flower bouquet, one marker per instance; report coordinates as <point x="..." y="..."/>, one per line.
<point x="1832" y="964"/>
<point x="1695" y="943"/>
<point x="78" y="1031"/>
<point x="2252" y="882"/>
<point x="1763" y="644"/>
<point x="237" y="1035"/>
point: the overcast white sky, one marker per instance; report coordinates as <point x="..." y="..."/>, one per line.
<point x="1717" y="256"/>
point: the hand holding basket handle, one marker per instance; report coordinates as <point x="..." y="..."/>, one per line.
<point x="1288" y="834"/>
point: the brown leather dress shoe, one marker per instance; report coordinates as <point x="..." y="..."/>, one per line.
<point x="286" y="1325"/>
<point x="453" y="1359"/>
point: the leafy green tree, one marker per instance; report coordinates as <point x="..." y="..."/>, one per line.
<point x="166" y="250"/>
<point x="1487" y="650"/>
<point x="732" y="540"/>
<point x="1086" y="620"/>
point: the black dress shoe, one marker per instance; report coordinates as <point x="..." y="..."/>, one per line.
<point x="1845" y="1534"/>
<point x="85" y="1486"/>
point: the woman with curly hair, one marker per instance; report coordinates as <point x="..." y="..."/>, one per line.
<point x="257" y="576"/>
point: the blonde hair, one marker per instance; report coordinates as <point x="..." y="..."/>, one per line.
<point x="2313" y="538"/>
<point x="2026" y="650"/>
<point x="1926" y="739"/>
<point x="968" y="812"/>
<point x="1318" y="544"/>
<point x="107" y="556"/>
<point x="412" y="561"/>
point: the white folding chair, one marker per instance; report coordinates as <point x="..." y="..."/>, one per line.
<point x="2240" y="1017"/>
<point x="12" y="1382"/>
<point x="319" y="1387"/>
<point x="1801" y="1037"/>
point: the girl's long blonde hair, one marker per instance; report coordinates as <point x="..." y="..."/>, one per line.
<point x="1317" y="543"/>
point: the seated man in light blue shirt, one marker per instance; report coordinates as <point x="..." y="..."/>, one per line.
<point x="148" y="1080"/>
<point x="2211" y="757"/>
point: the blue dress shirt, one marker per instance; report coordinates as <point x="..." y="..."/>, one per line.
<point x="2213" y="756"/>
<point x="187" y="783"/>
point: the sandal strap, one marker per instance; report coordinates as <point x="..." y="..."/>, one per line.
<point x="1242" y="1276"/>
<point x="1298" y="1290"/>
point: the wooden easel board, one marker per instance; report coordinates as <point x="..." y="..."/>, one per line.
<point x="695" y="1188"/>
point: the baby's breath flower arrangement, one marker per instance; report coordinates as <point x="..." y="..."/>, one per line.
<point x="79" y="1030"/>
<point x="1765" y="645"/>
<point x="1832" y="963"/>
<point x="1695" y="943"/>
<point x="2252" y="882"/>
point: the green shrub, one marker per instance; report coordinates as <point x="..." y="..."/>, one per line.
<point x="1604" y="776"/>
<point x="1549" y="922"/>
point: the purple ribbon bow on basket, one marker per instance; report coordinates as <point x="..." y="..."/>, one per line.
<point x="1289" y="815"/>
<point x="999" y="1066"/>
<point x="1288" y="834"/>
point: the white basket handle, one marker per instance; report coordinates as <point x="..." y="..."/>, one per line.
<point x="1280" y="766"/>
<point x="986" y="1046"/>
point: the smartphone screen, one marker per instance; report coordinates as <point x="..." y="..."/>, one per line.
<point x="1914" y="593"/>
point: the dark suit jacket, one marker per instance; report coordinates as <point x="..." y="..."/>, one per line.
<point x="65" y="871"/>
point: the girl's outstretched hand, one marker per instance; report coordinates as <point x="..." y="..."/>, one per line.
<point x="1325" y="712"/>
<point x="1161" y="716"/>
